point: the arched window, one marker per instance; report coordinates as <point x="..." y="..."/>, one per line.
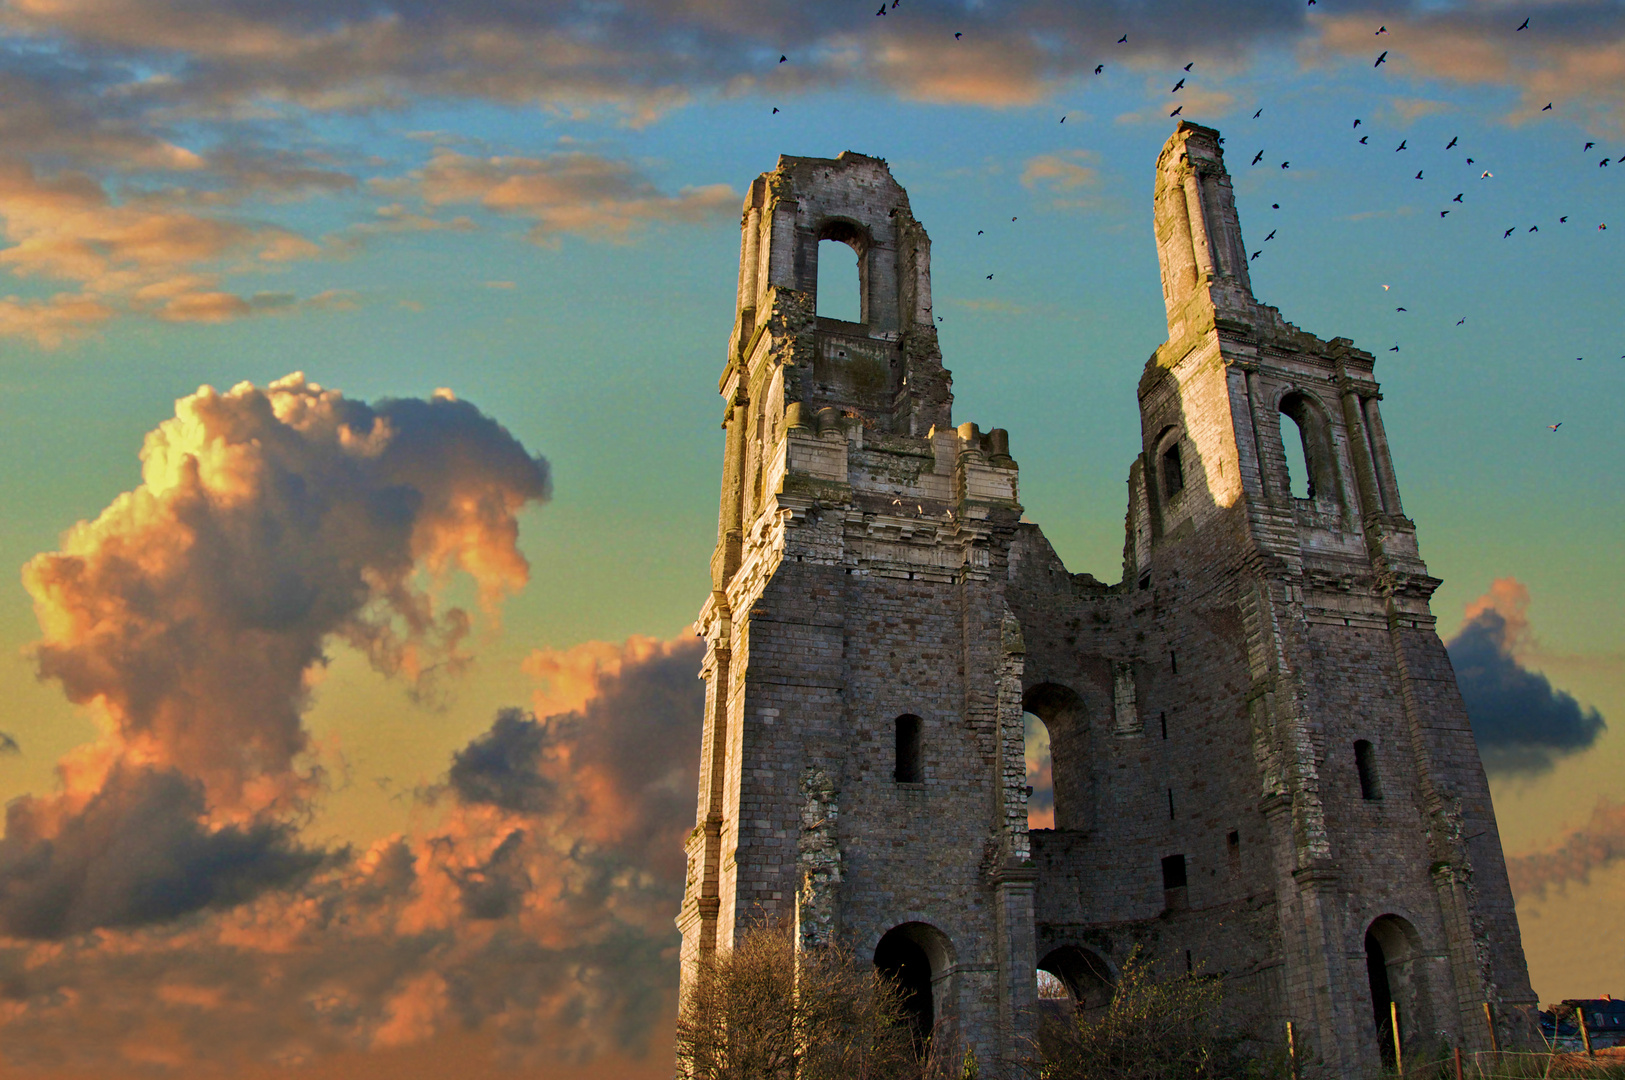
<point x="1365" y="760"/>
<point x="1040" y="774"/>
<point x="1397" y="973"/>
<point x="840" y="272"/>
<point x="910" y="768"/>
<point x="1082" y="976"/>
<point x="920" y="958"/>
<point x="1307" y="443"/>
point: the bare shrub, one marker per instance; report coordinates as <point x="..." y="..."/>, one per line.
<point x="1152" y="1030"/>
<point x="754" y="1013"/>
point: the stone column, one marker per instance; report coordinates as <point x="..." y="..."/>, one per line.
<point x="1196" y="214"/>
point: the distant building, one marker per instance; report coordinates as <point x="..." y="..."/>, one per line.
<point x="1604" y="1017"/>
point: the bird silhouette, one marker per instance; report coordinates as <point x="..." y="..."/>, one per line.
<point x="990" y="277"/>
<point x="1099" y="68"/>
<point x="1257" y="114"/>
<point x="1469" y="161"/>
<point x="1275" y="206"/>
<point x="1190" y="65"/>
<point x="1509" y="232"/>
<point x="882" y="10"/>
<point x="1356" y="123"/>
<point x="1122" y="39"/>
<point x="1177" y="111"/>
<point x="1547" y="108"/>
<point x="1256" y="254"/>
<point x="775" y="108"/>
<point x="1486" y="175"/>
<point x="1012" y="219"/>
<point x="1602" y="164"/>
<point x="1399" y="309"/>
<point x="1564" y="218"/>
<point x="1258" y="157"/>
<point x="1459" y="194"/>
<point x="782" y="59"/>
<point x="1525" y="25"/>
<point x="1555" y="426"/>
<point x="1063" y="119"/>
<point x="978" y="232"/>
<point x="1601" y="227"/>
<point x="1419" y="174"/>
<point x="958" y="35"/>
<point x="1381" y="59"/>
<point x="1461" y="320"/>
<point x="1286" y="164"/>
<point x="1271" y="236"/>
<point x="1178" y="86"/>
<point x="1401" y="145"/>
<point x="1443" y="213"/>
<point x="1451" y="145"/>
<point x="1381" y="30"/>
<point x="1534" y="228"/>
<point x="1364" y="139"/>
<point x="1587" y="146"/>
<point x="1394" y="348"/>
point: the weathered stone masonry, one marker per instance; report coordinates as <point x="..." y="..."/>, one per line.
<point x="1261" y="761"/>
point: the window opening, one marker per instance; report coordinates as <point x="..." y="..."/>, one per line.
<point x="1164" y="725"/>
<point x="1173" y="471"/>
<point x="839" y="294"/>
<point x="1040" y="774"/>
<point x="1173" y="662"/>
<point x="1170" y="804"/>
<point x="904" y="960"/>
<point x="1365" y="760"/>
<point x="1232" y="847"/>
<point x="1173" y="872"/>
<point x="1376" y="970"/>
<point x="1300" y="481"/>
<point x="908" y="770"/>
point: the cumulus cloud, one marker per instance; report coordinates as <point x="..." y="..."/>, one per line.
<point x="192" y="614"/>
<point x="530" y="924"/>
<point x="1597" y="844"/>
<point x="1521" y="722"/>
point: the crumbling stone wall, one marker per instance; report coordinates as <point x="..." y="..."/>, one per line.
<point x="873" y="579"/>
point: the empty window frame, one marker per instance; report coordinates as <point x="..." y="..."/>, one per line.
<point x="1365" y="761"/>
<point x="1173" y="470"/>
<point x="1173" y="872"/>
<point x="909" y="768"/>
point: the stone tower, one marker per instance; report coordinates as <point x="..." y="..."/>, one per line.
<point x="1261" y="764"/>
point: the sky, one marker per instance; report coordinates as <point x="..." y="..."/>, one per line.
<point x="357" y="402"/>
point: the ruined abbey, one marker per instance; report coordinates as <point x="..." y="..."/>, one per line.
<point x="1262" y="767"/>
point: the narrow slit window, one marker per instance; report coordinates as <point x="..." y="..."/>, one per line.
<point x="1173" y="470"/>
<point x="908" y="769"/>
<point x="1164" y="725"/>
<point x="1173" y="663"/>
<point x="1365" y="760"/>
<point x="1170" y="804"/>
<point x="1173" y="872"/>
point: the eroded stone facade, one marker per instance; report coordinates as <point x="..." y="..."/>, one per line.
<point x="1261" y="763"/>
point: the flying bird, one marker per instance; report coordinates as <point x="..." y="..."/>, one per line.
<point x="1602" y="164"/>
<point x="1256" y="254"/>
<point x="1534" y="228"/>
<point x="1399" y="309"/>
<point x="1381" y="59"/>
<point x="1587" y="146"/>
<point x="882" y="10"/>
<point x="783" y="58"/>
<point x="1012" y="219"/>
<point x="1178" y="86"/>
<point x="1099" y="68"/>
<point x="1469" y="161"/>
<point x="990" y="277"/>
<point x="1271" y="236"/>
<point x="1564" y="218"/>
<point x="1525" y="25"/>
<point x="1122" y="39"/>
<point x="1547" y="108"/>
<point x="1461" y="320"/>
<point x="775" y="108"/>
<point x="978" y="232"/>
<point x="958" y="35"/>
<point x="1356" y="123"/>
<point x="1258" y="157"/>
<point x="1419" y="174"/>
<point x="8" y="745"/>
<point x="1555" y="426"/>
<point x="1380" y="30"/>
<point x="1401" y="145"/>
<point x="1063" y="119"/>
<point x="1451" y="145"/>
<point x="1257" y="114"/>
<point x="1459" y="194"/>
<point x="1443" y="213"/>
<point x="1601" y="227"/>
<point x="1394" y="348"/>
<point x="1286" y="164"/>
<point x="1509" y="232"/>
<point x="1190" y="65"/>
<point x="1385" y="288"/>
<point x="1486" y="175"/>
<point x="1364" y="139"/>
<point x="1275" y="206"/>
<point x="1177" y="111"/>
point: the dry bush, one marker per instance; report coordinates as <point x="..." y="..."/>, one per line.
<point x="752" y="1015"/>
<point x="1151" y="1030"/>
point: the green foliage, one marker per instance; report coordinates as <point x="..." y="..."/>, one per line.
<point x="1152" y="1030"/>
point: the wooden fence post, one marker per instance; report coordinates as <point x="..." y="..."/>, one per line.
<point x="1458" y="1063"/>
<point x="1489" y="1022"/>
<point x="1585" y="1036"/>
<point x="1292" y="1049"/>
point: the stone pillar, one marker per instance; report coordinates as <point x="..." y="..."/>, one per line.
<point x="1365" y="472"/>
<point x="1196" y="217"/>
<point x="818" y="861"/>
<point x="1384" y="462"/>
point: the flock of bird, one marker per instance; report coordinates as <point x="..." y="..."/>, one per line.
<point x="1455" y="202"/>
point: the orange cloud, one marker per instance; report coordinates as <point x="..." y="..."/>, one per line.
<point x="567" y="192"/>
